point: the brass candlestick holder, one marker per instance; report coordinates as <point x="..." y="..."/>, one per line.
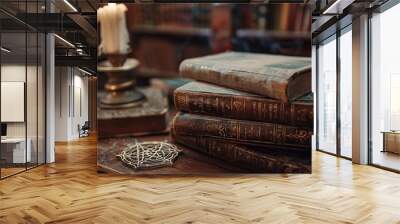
<point x="120" y="86"/>
<point x="124" y="109"/>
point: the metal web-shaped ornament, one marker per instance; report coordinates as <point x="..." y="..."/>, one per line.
<point x="148" y="155"/>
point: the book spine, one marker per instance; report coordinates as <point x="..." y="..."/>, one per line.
<point x="265" y="86"/>
<point x="244" y="108"/>
<point x="244" y="157"/>
<point x="240" y="131"/>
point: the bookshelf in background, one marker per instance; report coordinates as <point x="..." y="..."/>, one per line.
<point x="162" y="36"/>
<point x="274" y="29"/>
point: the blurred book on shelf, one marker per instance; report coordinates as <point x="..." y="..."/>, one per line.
<point x="162" y="36"/>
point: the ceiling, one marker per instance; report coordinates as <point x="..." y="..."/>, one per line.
<point x="39" y="6"/>
<point x="72" y="20"/>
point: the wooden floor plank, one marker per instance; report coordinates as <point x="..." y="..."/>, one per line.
<point x="71" y="191"/>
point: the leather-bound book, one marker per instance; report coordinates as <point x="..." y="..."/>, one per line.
<point x="272" y="161"/>
<point x="244" y="132"/>
<point x="209" y="99"/>
<point x="280" y="77"/>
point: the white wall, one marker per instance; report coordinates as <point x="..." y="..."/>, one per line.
<point x="61" y="103"/>
<point x="71" y="94"/>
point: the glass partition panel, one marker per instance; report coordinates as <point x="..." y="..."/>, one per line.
<point x="14" y="153"/>
<point x="327" y="96"/>
<point x="346" y="93"/>
<point x="22" y="77"/>
<point x="385" y="89"/>
<point x="31" y="98"/>
<point x="41" y="86"/>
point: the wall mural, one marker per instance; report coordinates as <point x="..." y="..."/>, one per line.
<point x="204" y="89"/>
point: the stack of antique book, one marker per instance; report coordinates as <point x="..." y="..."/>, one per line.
<point x="250" y="110"/>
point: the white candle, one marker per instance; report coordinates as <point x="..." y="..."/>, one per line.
<point x="114" y="33"/>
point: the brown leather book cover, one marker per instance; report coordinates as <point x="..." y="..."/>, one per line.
<point x="247" y="158"/>
<point x="209" y="99"/>
<point x="285" y="78"/>
<point x="244" y="132"/>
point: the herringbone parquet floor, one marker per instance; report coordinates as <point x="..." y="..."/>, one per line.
<point x="70" y="191"/>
